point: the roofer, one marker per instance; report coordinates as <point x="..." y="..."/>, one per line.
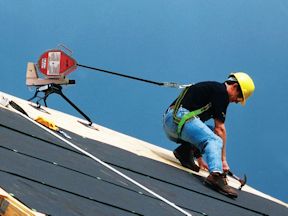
<point x="184" y="123"/>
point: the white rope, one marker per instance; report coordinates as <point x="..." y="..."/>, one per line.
<point x="106" y="165"/>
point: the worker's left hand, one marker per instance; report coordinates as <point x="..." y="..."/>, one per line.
<point x="202" y="164"/>
<point x="225" y="166"/>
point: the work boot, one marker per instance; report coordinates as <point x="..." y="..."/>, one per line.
<point x="184" y="154"/>
<point x="218" y="182"/>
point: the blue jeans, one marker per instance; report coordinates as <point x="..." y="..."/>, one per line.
<point x="199" y="134"/>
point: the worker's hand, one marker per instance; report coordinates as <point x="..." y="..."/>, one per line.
<point x="202" y="164"/>
<point x="225" y="166"/>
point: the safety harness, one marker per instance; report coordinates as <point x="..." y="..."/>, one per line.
<point x="181" y="121"/>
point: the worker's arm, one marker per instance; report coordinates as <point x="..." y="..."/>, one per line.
<point x="220" y="130"/>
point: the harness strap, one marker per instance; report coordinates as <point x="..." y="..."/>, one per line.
<point x="186" y="117"/>
<point x="190" y="115"/>
<point x="178" y="104"/>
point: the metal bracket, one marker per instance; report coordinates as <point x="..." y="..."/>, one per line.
<point x="57" y="89"/>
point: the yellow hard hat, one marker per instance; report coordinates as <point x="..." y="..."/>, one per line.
<point x="246" y="84"/>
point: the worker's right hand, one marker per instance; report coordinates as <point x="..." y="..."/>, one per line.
<point x="225" y="166"/>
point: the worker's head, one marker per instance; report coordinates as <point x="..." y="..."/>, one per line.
<point x="241" y="87"/>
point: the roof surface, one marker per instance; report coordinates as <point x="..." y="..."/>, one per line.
<point x="47" y="174"/>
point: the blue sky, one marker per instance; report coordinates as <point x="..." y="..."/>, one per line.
<point x="184" y="41"/>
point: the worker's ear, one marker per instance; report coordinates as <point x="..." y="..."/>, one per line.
<point x="236" y="86"/>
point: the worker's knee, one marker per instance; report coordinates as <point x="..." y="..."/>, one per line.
<point x="214" y="144"/>
<point x="218" y="141"/>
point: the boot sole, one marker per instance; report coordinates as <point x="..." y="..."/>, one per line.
<point x="219" y="190"/>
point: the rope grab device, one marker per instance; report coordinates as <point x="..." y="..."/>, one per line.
<point x="55" y="65"/>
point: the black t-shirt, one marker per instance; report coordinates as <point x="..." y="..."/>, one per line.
<point x="200" y="94"/>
